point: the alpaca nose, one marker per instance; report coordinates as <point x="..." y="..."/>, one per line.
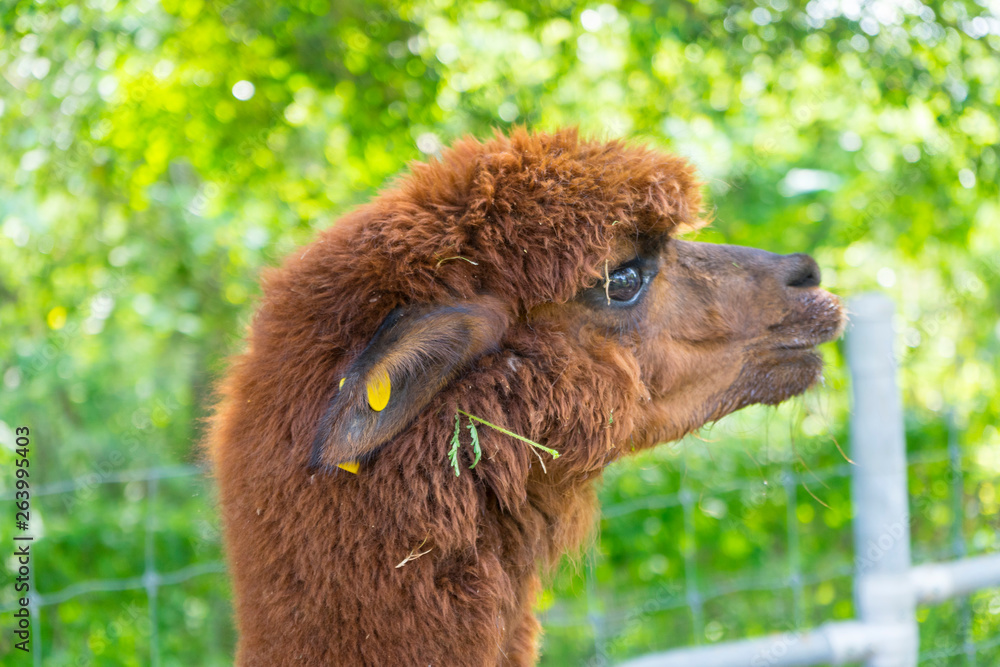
<point x="801" y="270"/>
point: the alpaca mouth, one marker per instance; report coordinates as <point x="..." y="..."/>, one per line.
<point x="815" y="318"/>
<point x="791" y="363"/>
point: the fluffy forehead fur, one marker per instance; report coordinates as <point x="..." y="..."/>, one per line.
<point x="538" y="214"/>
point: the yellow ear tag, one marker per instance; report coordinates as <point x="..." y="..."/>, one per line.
<point x="378" y="391"/>
<point x="341" y="385"/>
<point x="349" y="466"/>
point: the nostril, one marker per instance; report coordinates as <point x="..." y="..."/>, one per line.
<point x="802" y="271"/>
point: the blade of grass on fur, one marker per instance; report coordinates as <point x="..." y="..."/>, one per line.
<point x="455" y="444"/>
<point x="476" y="449"/>
<point x="534" y="444"/>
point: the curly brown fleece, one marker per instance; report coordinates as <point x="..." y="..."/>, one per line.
<point x="514" y="226"/>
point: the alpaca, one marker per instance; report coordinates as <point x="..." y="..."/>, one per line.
<point x="533" y="281"/>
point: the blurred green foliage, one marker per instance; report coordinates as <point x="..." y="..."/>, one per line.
<point x="155" y="156"/>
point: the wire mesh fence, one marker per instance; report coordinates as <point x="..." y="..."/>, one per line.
<point x="690" y="596"/>
<point x="150" y="581"/>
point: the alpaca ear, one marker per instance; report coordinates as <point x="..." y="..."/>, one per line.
<point x="413" y="355"/>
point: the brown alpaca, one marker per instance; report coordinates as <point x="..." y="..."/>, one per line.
<point x="532" y="281"/>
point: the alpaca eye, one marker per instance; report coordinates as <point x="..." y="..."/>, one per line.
<point x="623" y="287"/>
<point x="624" y="284"/>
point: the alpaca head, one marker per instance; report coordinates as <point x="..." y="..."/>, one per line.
<point x="540" y="277"/>
<point x="535" y="282"/>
